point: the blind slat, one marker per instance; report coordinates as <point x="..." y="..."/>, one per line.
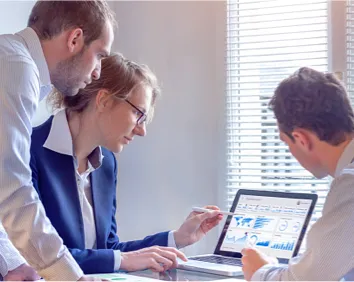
<point x="273" y="68"/>
<point x="243" y="167"/>
<point x="293" y="25"/>
<point x="257" y="162"/>
<point x="278" y="40"/>
<point x="297" y="6"/>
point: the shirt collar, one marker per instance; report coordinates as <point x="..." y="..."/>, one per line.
<point x="59" y="140"/>
<point x="35" y="48"/>
<point x="346" y="158"/>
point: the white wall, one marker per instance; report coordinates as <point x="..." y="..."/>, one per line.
<point x="14" y="15"/>
<point x="177" y="165"/>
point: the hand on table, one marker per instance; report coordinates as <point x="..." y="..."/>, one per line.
<point x="156" y="258"/>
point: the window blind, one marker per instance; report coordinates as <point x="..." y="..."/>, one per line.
<point x="268" y="40"/>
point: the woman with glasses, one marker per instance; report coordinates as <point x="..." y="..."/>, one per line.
<point x="75" y="172"/>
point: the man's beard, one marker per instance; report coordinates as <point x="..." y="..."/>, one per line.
<point x="66" y="77"/>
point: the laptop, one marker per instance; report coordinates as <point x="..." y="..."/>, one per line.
<point x="273" y="222"/>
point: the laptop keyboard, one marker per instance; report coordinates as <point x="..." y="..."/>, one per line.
<point x="219" y="260"/>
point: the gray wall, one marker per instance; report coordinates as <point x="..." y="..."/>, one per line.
<point x="14" y="15"/>
<point x="177" y="165"/>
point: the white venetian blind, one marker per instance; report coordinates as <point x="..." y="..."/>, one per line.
<point x="268" y="40"/>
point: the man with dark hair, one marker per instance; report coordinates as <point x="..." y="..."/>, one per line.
<point x="62" y="46"/>
<point x="316" y="121"/>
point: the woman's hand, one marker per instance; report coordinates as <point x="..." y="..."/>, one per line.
<point x="155" y="258"/>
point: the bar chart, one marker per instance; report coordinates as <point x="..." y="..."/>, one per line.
<point x="286" y="245"/>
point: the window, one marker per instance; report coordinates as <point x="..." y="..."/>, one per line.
<point x="267" y="41"/>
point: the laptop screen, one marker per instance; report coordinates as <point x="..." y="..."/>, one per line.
<point x="274" y="225"/>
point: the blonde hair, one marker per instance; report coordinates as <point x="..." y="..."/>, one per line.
<point x="119" y="76"/>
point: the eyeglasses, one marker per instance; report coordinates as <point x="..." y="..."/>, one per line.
<point x="141" y="115"/>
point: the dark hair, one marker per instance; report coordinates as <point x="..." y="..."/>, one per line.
<point x="50" y="18"/>
<point x="315" y="101"/>
<point x="119" y="76"/>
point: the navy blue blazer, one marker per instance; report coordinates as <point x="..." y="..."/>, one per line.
<point x="53" y="176"/>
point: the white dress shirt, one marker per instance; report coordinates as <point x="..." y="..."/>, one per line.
<point x="85" y="198"/>
<point x="24" y="81"/>
<point x="59" y="140"/>
<point x="329" y="254"/>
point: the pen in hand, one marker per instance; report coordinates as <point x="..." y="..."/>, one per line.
<point x="197" y="209"/>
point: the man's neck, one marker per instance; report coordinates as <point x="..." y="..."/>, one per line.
<point x="330" y="154"/>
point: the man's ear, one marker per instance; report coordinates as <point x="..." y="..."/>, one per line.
<point x="75" y="41"/>
<point x="303" y="138"/>
<point x="103" y="100"/>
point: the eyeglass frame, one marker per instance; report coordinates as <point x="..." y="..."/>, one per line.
<point x="143" y="116"/>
